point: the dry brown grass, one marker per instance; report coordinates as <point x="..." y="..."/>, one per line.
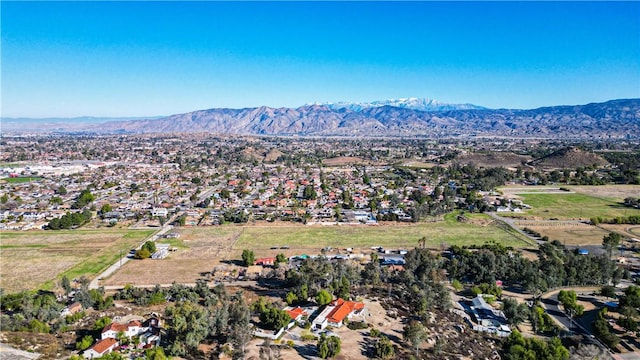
<point x="35" y="259"/>
<point x="343" y="160"/>
<point x="572" y="235"/>
<point x="613" y="192"/>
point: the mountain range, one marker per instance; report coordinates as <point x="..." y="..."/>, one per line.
<point x="399" y="118"/>
<point x="421" y="104"/>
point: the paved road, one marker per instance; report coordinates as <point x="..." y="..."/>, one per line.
<point x="510" y="222"/>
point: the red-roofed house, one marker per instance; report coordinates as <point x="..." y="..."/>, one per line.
<point x="100" y="348"/>
<point x="296" y="314"/>
<point x="336" y="312"/>
<point x="265" y="261"/>
<point x="130" y="329"/>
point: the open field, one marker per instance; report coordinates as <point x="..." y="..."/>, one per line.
<point x="311" y="237"/>
<point x="203" y="248"/>
<point x="20" y="180"/>
<point x="579" y="205"/>
<point x="33" y="260"/>
<point x="572" y="235"/>
<point x="611" y="192"/>
<point x="632" y="231"/>
<point x="343" y="160"/>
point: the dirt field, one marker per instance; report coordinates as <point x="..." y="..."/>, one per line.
<point x="35" y="259"/>
<point x="612" y="192"/>
<point x="200" y="249"/>
<point x="572" y="235"/>
<point x="632" y="231"/>
<point x="343" y="160"/>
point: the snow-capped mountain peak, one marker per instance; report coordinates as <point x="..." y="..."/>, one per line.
<point x="422" y="104"/>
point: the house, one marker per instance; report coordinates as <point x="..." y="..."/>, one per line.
<point x="100" y="348"/>
<point x="71" y="309"/>
<point x="335" y="313"/>
<point x="296" y="314"/>
<point x="159" y="212"/>
<point x="130" y="329"/>
<point x="268" y="261"/>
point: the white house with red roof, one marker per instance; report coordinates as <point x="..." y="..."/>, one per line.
<point x="100" y="348"/>
<point x="130" y="329"/>
<point x="296" y="314"/>
<point x="335" y="313"/>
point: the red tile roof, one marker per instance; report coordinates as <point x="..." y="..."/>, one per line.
<point x="103" y="345"/>
<point x="296" y="312"/>
<point x="343" y="309"/>
<point x="121" y="327"/>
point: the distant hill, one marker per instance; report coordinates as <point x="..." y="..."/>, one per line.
<point x="570" y="157"/>
<point x="613" y="119"/>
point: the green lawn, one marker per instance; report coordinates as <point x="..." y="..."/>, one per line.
<point x="569" y="206"/>
<point x="449" y="232"/>
<point x="20" y="180"/>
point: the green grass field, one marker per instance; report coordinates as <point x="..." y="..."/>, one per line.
<point x="20" y="180"/>
<point x="449" y="232"/>
<point x="573" y="206"/>
<point x="32" y="260"/>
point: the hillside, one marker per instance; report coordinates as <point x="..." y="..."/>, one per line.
<point x="570" y="157"/>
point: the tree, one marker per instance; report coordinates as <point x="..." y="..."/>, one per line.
<point x="61" y="190"/>
<point x="291" y="298"/>
<point x="150" y="246"/>
<point x="102" y="322"/>
<point x="611" y="241"/>
<point x="155" y="353"/>
<point x="105" y="209"/>
<point x="328" y="347"/>
<point x="414" y="333"/>
<point x="323" y="297"/>
<point x="248" y="257"/>
<point x="273" y="318"/>
<point x="142" y="254"/>
<point x="608" y="291"/>
<point x="515" y="313"/>
<point x="65" y="284"/>
<point x="280" y="258"/>
<point x="569" y="301"/>
<point x="85" y="343"/>
<point x="384" y="348"/>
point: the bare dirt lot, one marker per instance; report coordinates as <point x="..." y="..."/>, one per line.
<point x="572" y="234"/>
<point x="199" y="251"/>
<point x="613" y="192"/>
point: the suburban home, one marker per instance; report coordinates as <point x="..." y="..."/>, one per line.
<point x="71" y="309"/>
<point x="159" y="212"/>
<point x="296" y="314"/>
<point x="130" y="329"/>
<point x="268" y="261"/>
<point x="100" y="348"/>
<point x="335" y="313"/>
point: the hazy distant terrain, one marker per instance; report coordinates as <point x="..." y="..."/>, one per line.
<point x="611" y="119"/>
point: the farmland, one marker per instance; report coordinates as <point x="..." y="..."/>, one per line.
<point x="37" y="259"/>
<point x="203" y="248"/>
<point x="584" y="202"/>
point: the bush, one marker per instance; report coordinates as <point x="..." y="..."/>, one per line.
<point x="357" y="325"/>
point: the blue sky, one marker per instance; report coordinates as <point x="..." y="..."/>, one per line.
<point x="159" y="58"/>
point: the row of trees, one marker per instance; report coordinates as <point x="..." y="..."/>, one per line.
<point x="70" y="220"/>
<point x="556" y="266"/>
